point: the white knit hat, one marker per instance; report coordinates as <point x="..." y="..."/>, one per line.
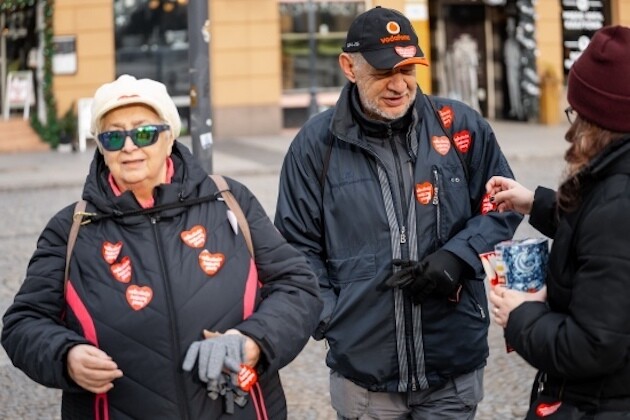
<point x="128" y="90"/>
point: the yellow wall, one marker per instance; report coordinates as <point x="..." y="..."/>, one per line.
<point x="621" y="12"/>
<point x="549" y="36"/>
<point x="245" y="52"/>
<point x="92" y="22"/>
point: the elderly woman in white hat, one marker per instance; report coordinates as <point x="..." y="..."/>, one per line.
<point x="164" y="312"/>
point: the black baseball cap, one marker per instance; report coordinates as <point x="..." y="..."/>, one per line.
<point x="386" y="39"/>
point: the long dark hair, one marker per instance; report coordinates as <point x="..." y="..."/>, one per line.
<point x="587" y="141"/>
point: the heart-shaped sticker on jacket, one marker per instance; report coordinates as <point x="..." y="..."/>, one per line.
<point x="211" y="263"/>
<point x="138" y="297"/>
<point x="441" y="144"/>
<point x="195" y="237"/>
<point x="111" y="251"/>
<point x="122" y="270"/>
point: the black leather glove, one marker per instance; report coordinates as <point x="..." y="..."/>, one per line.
<point x="437" y="274"/>
<point x="411" y="278"/>
<point x="445" y="269"/>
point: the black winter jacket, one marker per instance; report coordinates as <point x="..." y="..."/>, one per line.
<point x="581" y="338"/>
<point x="336" y="204"/>
<point x="143" y="295"/>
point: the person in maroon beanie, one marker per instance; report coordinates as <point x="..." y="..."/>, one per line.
<point x="576" y="331"/>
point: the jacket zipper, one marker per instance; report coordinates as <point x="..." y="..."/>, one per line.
<point x="436" y="203"/>
<point x="404" y="252"/>
<point x="181" y="397"/>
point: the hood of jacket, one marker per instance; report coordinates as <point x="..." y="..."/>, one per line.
<point x="184" y="185"/>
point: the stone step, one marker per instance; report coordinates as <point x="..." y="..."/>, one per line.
<point x="17" y="135"/>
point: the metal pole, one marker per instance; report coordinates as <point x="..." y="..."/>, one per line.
<point x="199" y="67"/>
<point x="313" y="108"/>
<point x="3" y="64"/>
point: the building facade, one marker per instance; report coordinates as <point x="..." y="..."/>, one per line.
<point x="271" y="61"/>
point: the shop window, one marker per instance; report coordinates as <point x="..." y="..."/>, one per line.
<point x="332" y="20"/>
<point x="152" y="41"/>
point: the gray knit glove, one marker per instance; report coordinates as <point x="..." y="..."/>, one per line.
<point x="213" y="355"/>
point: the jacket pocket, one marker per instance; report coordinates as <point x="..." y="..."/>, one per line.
<point x="353" y="269"/>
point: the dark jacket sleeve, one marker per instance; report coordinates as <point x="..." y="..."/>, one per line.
<point x="33" y="334"/>
<point x="482" y="231"/>
<point x="544" y="213"/>
<point x="290" y="306"/>
<point x="593" y="337"/>
<point x="299" y="213"/>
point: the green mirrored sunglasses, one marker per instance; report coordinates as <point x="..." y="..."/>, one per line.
<point x="143" y="136"/>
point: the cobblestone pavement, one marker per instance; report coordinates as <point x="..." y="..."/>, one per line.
<point x="33" y="187"/>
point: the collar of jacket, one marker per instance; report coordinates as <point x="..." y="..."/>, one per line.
<point x="614" y="159"/>
<point x="349" y="123"/>
<point x="184" y="185"/>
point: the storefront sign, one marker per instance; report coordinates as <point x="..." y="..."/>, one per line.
<point x="65" y="55"/>
<point x="580" y="20"/>
<point x="20" y="92"/>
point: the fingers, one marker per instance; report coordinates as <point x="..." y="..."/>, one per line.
<point x="91" y="368"/>
<point x="191" y="356"/>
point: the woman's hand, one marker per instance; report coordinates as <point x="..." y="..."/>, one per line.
<point x="505" y="300"/>
<point x="91" y="368"/>
<point x="508" y="194"/>
<point x="251" y="351"/>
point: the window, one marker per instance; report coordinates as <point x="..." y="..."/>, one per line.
<point x="152" y="41"/>
<point x="332" y="20"/>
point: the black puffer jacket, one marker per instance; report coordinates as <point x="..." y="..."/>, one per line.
<point x="581" y="339"/>
<point x="140" y="292"/>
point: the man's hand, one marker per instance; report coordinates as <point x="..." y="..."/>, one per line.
<point x="445" y="269"/>
<point x="91" y="368"/>
<point x="411" y="278"/>
<point x="437" y="274"/>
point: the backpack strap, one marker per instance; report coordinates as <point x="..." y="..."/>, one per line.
<point x="233" y="205"/>
<point x="77" y="218"/>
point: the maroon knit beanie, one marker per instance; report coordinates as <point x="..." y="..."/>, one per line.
<point x="599" y="81"/>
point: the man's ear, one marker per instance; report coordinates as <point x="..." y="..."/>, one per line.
<point x="347" y="66"/>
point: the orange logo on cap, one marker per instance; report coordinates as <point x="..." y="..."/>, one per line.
<point x="393" y="27"/>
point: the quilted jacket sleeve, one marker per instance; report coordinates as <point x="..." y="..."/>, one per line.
<point x="33" y="334"/>
<point x="290" y="306"/>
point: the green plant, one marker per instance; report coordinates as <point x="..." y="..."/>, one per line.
<point x="67" y="126"/>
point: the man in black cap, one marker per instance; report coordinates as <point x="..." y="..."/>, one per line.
<point x="385" y="195"/>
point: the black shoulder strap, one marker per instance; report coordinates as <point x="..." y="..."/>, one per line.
<point x="449" y="135"/>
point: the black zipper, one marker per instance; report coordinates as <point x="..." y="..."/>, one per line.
<point x="181" y="397"/>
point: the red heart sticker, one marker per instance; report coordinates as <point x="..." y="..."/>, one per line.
<point x="487" y="205"/>
<point x="406" y="52"/>
<point x="247" y="378"/>
<point x="111" y="251"/>
<point x="138" y="297"/>
<point x="211" y="263"/>
<point x="441" y="144"/>
<point x="547" y="409"/>
<point x="447" y="115"/>
<point x="424" y="192"/>
<point x="462" y="140"/>
<point x="195" y="237"/>
<point x="122" y="270"/>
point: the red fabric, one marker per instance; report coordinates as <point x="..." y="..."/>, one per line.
<point x="249" y="299"/>
<point x="89" y="332"/>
